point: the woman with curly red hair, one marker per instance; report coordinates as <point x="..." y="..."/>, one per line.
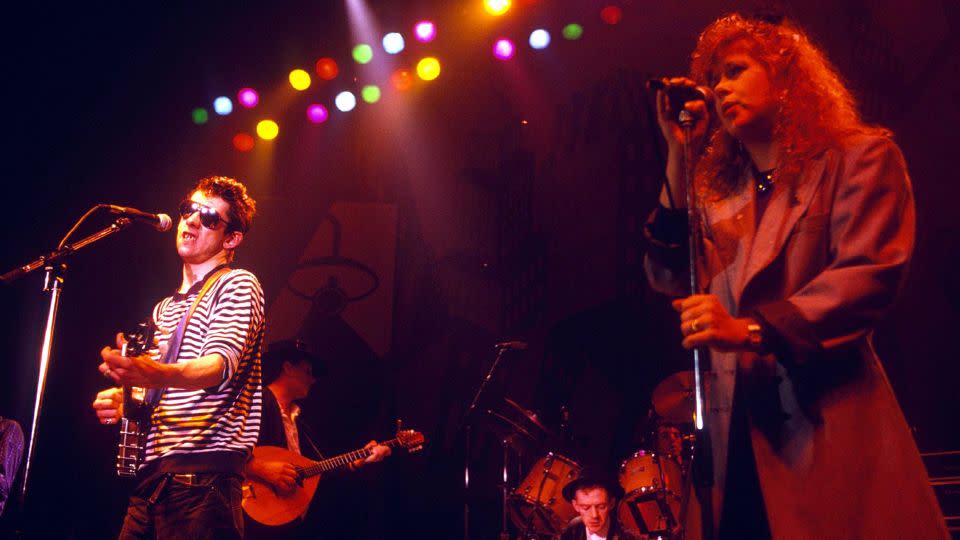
<point x="807" y="226"/>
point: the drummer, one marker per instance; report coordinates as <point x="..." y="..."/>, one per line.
<point x="594" y="495"/>
<point x="669" y="440"/>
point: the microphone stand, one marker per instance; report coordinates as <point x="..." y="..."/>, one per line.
<point x="703" y="454"/>
<point x="463" y="422"/>
<point x="55" y="266"/>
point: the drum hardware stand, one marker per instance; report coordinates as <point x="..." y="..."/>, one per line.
<point x="702" y="462"/>
<point x="501" y="349"/>
<point x="665" y="509"/>
<point x="505" y="488"/>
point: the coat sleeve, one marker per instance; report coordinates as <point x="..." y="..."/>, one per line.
<point x="666" y="255"/>
<point x="871" y="230"/>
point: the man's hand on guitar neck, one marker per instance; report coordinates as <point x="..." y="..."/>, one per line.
<point x="377" y="453"/>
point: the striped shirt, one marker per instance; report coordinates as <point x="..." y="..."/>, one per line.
<point x="229" y="320"/>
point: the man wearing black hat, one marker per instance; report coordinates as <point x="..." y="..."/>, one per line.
<point x="288" y="374"/>
<point x="594" y="495"/>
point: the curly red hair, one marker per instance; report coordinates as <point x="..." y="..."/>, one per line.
<point x="816" y="108"/>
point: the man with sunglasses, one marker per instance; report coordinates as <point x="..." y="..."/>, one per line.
<point x="203" y="378"/>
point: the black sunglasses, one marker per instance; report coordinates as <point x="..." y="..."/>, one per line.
<point x="209" y="217"/>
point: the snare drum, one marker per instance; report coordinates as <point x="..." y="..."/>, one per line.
<point x="537" y="505"/>
<point x="652" y="485"/>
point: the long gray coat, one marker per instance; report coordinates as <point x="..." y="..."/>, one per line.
<point x="834" y="455"/>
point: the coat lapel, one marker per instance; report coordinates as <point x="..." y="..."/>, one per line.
<point x="746" y="249"/>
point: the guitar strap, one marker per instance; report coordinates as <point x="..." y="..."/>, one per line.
<point x="307" y="436"/>
<point x="173" y="346"/>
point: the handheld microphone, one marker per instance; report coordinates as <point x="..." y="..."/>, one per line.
<point x="512" y="345"/>
<point x="160" y="222"/>
<point x="679" y="95"/>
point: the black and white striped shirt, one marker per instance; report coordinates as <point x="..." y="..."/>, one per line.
<point x="230" y="321"/>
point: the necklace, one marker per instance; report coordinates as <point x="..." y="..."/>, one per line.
<point x="764" y="179"/>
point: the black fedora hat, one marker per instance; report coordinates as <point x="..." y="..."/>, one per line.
<point x="290" y="350"/>
<point x="592" y="476"/>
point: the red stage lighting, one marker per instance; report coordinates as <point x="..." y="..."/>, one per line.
<point x="402" y="80"/>
<point x="327" y="69"/>
<point x="243" y="142"/>
<point x="611" y="14"/>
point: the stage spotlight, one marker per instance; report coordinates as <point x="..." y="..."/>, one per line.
<point x="267" y="130"/>
<point x="428" y="69"/>
<point x="393" y="43"/>
<point x="496" y="7"/>
<point x="425" y="31"/>
<point x="611" y="14"/>
<point x="402" y="80"/>
<point x="370" y="93"/>
<point x="504" y="49"/>
<point x="243" y="142"/>
<point x="317" y="113"/>
<point x="327" y="69"/>
<point x="539" y="39"/>
<point x="248" y="97"/>
<point x="345" y="101"/>
<point x="299" y="79"/>
<point x="222" y="106"/>
<point x="363" y="53"/>
<point x="199" y="116"/>
<point x="572" y="31"/>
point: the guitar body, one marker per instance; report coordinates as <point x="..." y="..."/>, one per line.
<point x="262" y="502"/>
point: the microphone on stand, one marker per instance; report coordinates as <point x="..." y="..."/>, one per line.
<point x="160" y="222"/>
<point x="679" y="94"/>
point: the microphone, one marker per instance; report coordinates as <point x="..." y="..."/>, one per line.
<point x="679" y="95"/>
<point x="160" y="222"/>
<point x="512" y="345"/>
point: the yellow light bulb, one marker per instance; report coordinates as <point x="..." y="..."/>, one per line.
<point x="496" y="7"/>
<point x="267" y="130"/>
<point x="299" y="79"/>
<point x="428" y="69"/>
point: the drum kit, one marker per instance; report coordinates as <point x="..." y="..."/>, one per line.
<point x="654" y="480"/>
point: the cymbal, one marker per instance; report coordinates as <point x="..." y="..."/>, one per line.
<point x="673" y="398"/>
<point x="530" y="416"/>
<point x="511" y="426"/>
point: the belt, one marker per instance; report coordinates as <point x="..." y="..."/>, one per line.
<point x="190" y="479"/>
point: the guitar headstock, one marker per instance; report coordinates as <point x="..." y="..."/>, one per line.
<point x="410" y="440"/>
<point x="140" y="339"/>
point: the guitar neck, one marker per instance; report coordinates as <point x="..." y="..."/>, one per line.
<point x="342" y="460"/>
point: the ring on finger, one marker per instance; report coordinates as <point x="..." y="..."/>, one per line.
<point x="694" y="326"/>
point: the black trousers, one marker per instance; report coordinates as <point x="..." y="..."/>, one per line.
<point x="744" y="514"/>
<point x="201" y="506"/>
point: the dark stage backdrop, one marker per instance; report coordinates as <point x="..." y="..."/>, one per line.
<point x="501" y="202"/>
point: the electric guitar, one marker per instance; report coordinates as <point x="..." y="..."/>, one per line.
<point x="264" y="504"/>
<point x="136" y="412"/>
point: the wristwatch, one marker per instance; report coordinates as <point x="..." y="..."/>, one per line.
<point x="755" y="336"/>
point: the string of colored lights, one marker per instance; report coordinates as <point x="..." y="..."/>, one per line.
<point x="426" y="69"/>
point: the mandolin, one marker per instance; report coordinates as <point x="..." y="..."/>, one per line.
<point x="264" y="504"/>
